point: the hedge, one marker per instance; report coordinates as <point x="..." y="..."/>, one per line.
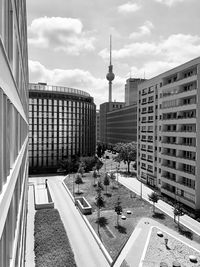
<point x="52" y="247"/>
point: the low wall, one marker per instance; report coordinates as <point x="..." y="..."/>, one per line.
<point x="83" y="205"/>
<point x="46" y="201"/>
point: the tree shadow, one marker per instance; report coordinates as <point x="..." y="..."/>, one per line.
<point x="158" y="215"/>
<point x="102" y="221"/>
<point x="121" y="229"/>
<point x="185" y="232"/>
<point x="108" y="194"/>
<point x="78" y="193"/>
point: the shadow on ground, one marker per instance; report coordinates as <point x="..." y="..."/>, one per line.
<point x="158" y="215"/>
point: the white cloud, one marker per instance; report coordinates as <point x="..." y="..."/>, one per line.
<point x="78" y="79"/>
<point x="129" y="7"/>
<point x="170" y="2"/>
<point x="144" y="30"/>
<point x="176" y="48"/>
<point x="151" y="69"/>
<point x="64" y="34"/>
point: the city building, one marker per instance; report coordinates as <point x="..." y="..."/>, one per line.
<point x="168" y="139"/>
<point x="97" y="126"/>
<point x="61" y="124"/>
<point x="13" y="132"/>
<point x="131" y="90"/>
<point x="122" y="125"/>
<point x="104" y="109"/>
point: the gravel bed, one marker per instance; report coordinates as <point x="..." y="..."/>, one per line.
<point x="158" y="252"/>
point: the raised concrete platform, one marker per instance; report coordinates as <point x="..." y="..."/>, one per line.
<point x="42" y="197"/>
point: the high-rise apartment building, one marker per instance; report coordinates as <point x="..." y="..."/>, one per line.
<point x="168" y="127"/>
<point x="131" y="90"/>
<point x="13" y="132"/>
<point x="61" y="124"/>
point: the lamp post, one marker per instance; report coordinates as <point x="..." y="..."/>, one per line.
<point x="73" y="184"/>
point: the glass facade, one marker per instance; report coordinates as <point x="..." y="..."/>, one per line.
<point x="13" y="132"/>
<point x="60" y="125"/>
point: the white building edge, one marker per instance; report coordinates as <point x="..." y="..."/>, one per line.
<point x="168" y="133"/>
<point x="13" y="132"/>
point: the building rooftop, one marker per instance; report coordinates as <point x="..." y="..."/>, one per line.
<point x="53" y="88"/>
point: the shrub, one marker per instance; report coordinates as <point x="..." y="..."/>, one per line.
<point x="52" y="247"/>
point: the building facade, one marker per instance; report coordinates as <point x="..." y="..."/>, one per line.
<point x="61" y="124"/>
<point x="104" y="109"/>
<point x="168" y="139"/>
<point x="13" y="132"/>
<point x="131" y="90"/>
<point x="122" y="125"/>
<point x="97" y="126"/>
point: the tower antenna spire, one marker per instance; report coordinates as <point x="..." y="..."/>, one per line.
<point x="110" y="75"/>
<point x="110" y="49"/>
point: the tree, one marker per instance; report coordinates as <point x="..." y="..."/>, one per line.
<point x="78" y="180"/>
<point x="118" y="210"/>
<point x="112" y="178"/>
<point x="106" y="181"/>
<point x="98" y="165"/>
<point x="99" y="201"/>
<point x="81" y="169"/>
<point x="153" y="197"/>
<point x="127" y="152"/>
<point x="178" y="212"/>
<point x="94" y="175"/>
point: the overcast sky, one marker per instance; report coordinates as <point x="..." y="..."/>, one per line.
<point x="69" y="41"/>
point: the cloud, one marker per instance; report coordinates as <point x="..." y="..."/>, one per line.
<point x="176" y="48"/>
<point x="170" y="2"/>
<point x="144" y="30"/>
<point x="65" y="34"/>
<point x="129" y="7"/>
<point x="78" y="79"/>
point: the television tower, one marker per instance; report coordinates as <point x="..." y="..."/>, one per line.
<point x="110" y="75"/>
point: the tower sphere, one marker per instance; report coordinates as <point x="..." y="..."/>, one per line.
<point x="110" y="76"/>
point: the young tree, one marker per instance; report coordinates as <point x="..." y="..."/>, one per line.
<point x="81" y="169"/>
<point x="99" y="201"/>
<point x="112" y="178"/>
<point x="153" y="197"/>
<point x="78" y="180"/>
<point x="98" y="165"/>
<point x="127" y="152"/>
<point x="106" y="181"/>
<point x="178" y="212"/>
<point x="94" y="175"/>
<point x="118" y="210"/>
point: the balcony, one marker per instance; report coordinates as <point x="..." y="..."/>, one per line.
<point x="179" y="146"/>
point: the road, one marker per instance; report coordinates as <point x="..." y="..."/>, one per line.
<point x="86" y="251"/>
<point x="137" y="187"/>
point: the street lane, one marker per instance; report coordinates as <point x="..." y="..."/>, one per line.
<point x="86" y="251"/>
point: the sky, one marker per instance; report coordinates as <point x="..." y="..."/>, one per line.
<point x="68" y="41"/>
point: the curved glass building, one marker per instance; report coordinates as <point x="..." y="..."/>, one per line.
<point x="62" y="123"/>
